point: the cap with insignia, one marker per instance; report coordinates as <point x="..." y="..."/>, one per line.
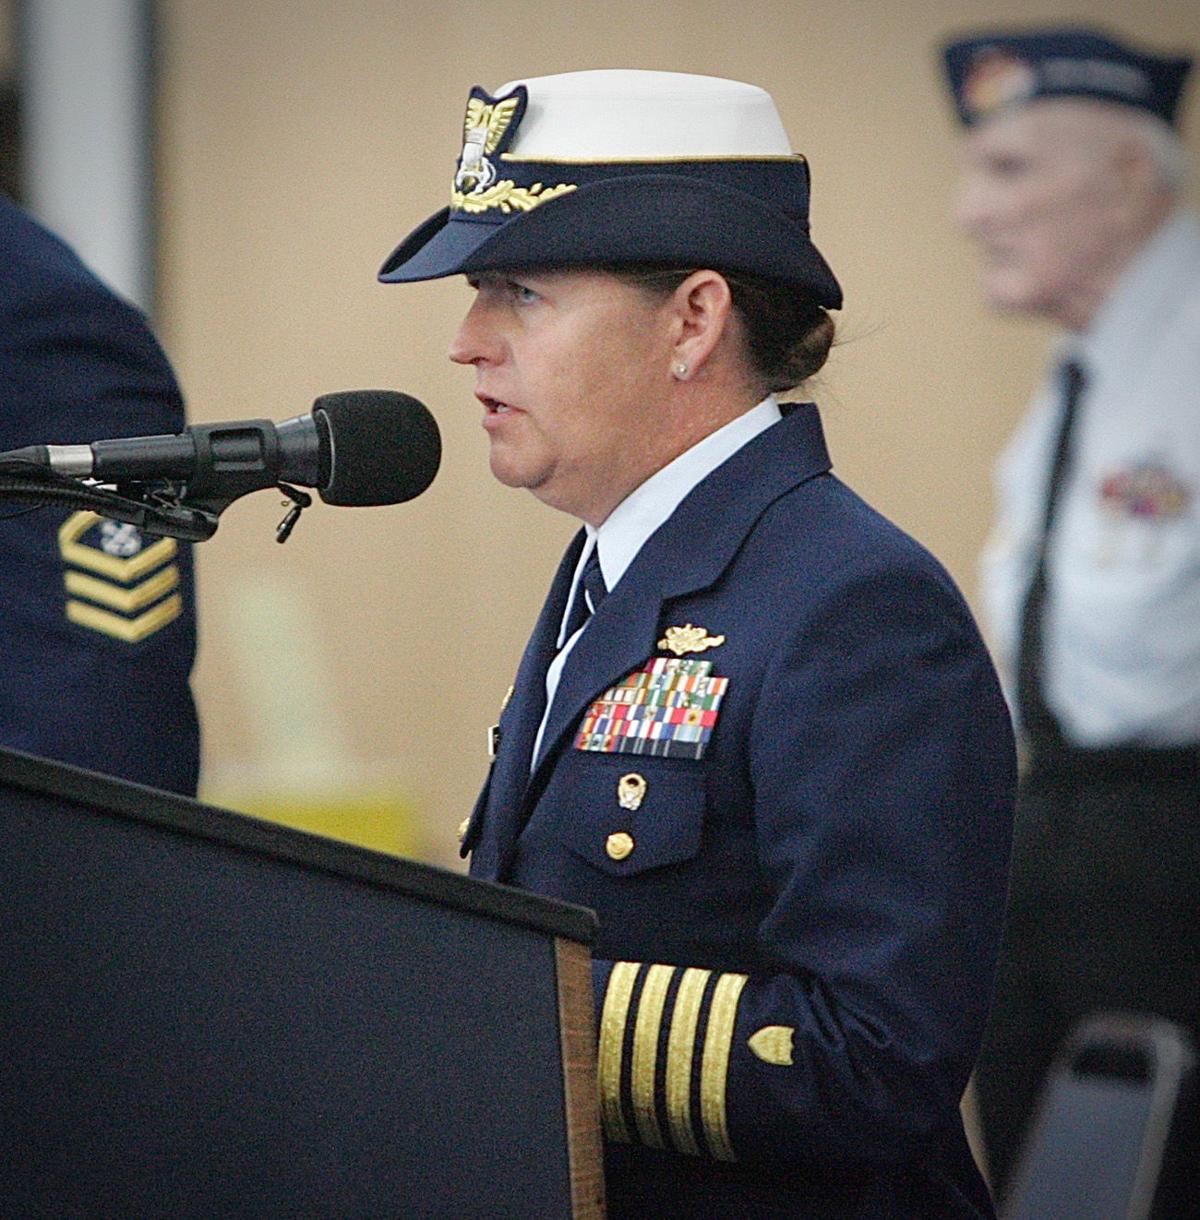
<point x="619" y="167"/>
<point x="991" y="73"/>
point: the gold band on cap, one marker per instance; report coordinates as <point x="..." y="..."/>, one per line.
<point x="719" y="158"/>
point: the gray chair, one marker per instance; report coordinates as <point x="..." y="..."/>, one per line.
<point x="1097" y="1143"/>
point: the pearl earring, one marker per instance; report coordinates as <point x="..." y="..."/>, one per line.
<point x="681" y="371"/>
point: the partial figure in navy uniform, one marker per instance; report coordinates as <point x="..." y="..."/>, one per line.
<point x="1072" y="185"/>
<point x="755" y="728"/>
<point x="97" y="619"/>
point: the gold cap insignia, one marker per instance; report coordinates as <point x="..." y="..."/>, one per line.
<point x="488" y="129"/>
<point x="689" y="639"/>
<point x="484" y="127"/>
<point x="631" y="791"/>
<point x="773" y="1044"/>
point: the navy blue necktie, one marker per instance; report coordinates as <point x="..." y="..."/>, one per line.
<point x="1037" y="719"/>
<point x="590" y="591"/>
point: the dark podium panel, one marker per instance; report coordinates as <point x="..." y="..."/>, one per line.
<point x="206" y="1015"/>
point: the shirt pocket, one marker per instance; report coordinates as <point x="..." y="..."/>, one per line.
<point x="665" y="827"/>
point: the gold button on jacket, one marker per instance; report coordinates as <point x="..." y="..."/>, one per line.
<point x="619" y="845"/>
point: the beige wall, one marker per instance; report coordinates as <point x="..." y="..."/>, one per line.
<point x="301" y="140"/>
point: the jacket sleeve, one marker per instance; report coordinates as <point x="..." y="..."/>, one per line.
<point x="97" y="621"/>
<point x="882" y="826"/>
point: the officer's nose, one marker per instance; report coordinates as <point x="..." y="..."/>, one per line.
<point x="475" y="340"/>
<point x="971" y="207"/>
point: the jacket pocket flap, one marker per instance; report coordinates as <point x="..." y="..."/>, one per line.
<point x="625" y="815"/>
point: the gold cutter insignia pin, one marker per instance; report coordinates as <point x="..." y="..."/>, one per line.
<point x="689" y="639"/>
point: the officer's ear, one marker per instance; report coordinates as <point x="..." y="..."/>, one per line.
<point x="702" y="316"/>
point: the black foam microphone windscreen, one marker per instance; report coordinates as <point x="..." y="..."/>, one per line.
<point x="384" y="446"/>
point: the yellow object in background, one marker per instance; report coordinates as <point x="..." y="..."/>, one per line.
<point x="300" y="765"/>
<point x="380" y="818"/>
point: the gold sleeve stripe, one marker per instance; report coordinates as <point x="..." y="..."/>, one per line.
<point x="714" y="1074"/>
<point x="125" y="600"/>
<point x="129" y="630"/>
<point x="613" y="1016"/>
<point x="112" y="566"/>
<point x="681" y="1043"/>
<point x="645" y="1053"/>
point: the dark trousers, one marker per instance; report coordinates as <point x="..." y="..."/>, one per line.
<point x="1104" y="913"/>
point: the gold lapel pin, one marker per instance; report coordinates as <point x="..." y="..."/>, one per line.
<point x="631" y="791"/>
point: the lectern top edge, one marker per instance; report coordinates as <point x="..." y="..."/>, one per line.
<point x="105" y="795"/>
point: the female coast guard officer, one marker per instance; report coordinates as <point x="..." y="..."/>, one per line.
<point x="755" y="728"/>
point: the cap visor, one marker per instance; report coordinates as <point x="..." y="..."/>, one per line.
<point x="435" y="249"/>
<point x="643" y="219"/>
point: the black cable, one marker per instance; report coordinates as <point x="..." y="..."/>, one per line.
<point x="45" y="491"/>
<point x="170" y="519"/>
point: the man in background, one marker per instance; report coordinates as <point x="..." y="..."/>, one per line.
<point x="97" y="626"/>
<point x="1072" y="188"/>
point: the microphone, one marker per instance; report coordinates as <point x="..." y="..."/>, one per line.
<point x="356" y="447"/>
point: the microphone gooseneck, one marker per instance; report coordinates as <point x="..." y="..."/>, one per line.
<point x="357" y="448"/>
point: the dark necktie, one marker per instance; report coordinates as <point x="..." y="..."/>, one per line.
<point x="1038" y="721"/>
<point x="589" y="593"/>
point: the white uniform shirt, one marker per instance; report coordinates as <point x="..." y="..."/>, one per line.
<point x="1122" y="626"/>
<point x="629" y="526"/>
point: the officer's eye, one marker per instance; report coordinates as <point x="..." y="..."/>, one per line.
<point x="1008" y="165"/>
<point x="521" y="294"/>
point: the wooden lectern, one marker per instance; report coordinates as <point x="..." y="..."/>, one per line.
<point x="203" y="1015"/>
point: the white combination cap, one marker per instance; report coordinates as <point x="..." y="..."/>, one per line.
<point x="623" y="114"/>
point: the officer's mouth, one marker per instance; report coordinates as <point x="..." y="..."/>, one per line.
<point x="495" y="411"/>
<point x="495" y="406"/>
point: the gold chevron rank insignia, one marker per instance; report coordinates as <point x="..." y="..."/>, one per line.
<point x="116" y="584"/>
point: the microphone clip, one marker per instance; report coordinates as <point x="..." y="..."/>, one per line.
<point x="300" y="501"/>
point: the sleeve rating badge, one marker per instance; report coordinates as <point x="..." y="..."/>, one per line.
<point x="116" y="584"/>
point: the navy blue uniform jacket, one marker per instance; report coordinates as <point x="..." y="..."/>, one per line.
<point x="795" y="957"/>
<point x="97" y="628"/>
